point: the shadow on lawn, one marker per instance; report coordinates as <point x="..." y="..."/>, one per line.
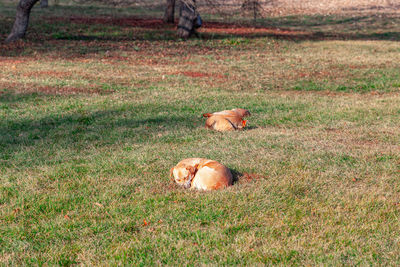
<point x="78" y="35"/>
<point x="236" y="175"/>
<point x="317" y="27"/>
<point x="81" y="129"/>
<point x="279" y="34"/>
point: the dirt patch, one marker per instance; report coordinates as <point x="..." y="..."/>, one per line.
<point x="249" y="177"/>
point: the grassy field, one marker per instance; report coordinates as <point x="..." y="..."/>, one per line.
<point x="96" y="106"/>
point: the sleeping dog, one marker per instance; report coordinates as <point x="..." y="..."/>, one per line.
<point x="227" y="120"/>
<point x="202" y="174"/>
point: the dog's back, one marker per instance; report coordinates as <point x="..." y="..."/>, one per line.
<point x="212" y="175"/>
<point x="226" y="120"/>
<point x="241" y="112"/>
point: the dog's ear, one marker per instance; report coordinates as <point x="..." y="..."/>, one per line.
<point x="191" y="169"/>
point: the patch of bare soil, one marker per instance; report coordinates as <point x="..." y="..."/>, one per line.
<point x="249" y="177"/>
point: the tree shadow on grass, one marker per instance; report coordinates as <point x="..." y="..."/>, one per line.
<point x="83" y="128"/>
<point x="317" y="36"/>
<point x="77" y="36"/>
<point x="296" y="28"/>
<point x="251" y="127"/>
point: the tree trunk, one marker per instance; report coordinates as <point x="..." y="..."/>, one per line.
<point x="44" y="3"/>
<point x="187" y="18"/>
<point x="169" y="15"/>
<point x="21" y="20"/>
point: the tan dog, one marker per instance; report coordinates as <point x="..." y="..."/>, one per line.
<point x="203" y="174"/>
<point x="241" y="112"/>
<point x="227" y="120"/>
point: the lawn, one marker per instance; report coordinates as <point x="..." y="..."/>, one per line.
<point x="97" y="105"/>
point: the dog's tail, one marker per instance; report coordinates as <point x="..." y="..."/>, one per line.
<point x="207" y="115"/>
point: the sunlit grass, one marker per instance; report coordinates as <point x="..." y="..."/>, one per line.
<point x="89" y="129"/>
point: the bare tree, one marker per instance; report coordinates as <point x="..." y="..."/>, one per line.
<point x="21" y="20"/>
<point x="169" y="15"/>
<point x="253" y="7"/>
<point x="189" y="19"/>
<point x="44" y="3"/>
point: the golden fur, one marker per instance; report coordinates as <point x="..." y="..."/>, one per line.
<point x="202" y="174"/>
<point x="227" y="120"/>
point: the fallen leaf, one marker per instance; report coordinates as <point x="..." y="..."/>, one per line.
<point x="67" y="217"/>
<point x="99" y="205"/>
<point x="145" y="222"/>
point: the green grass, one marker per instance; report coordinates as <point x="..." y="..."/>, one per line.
<point x="92" y="117"/>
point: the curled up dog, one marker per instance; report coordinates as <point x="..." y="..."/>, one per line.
<point x="227" y="120"/>
<point x="202" y="174"/>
